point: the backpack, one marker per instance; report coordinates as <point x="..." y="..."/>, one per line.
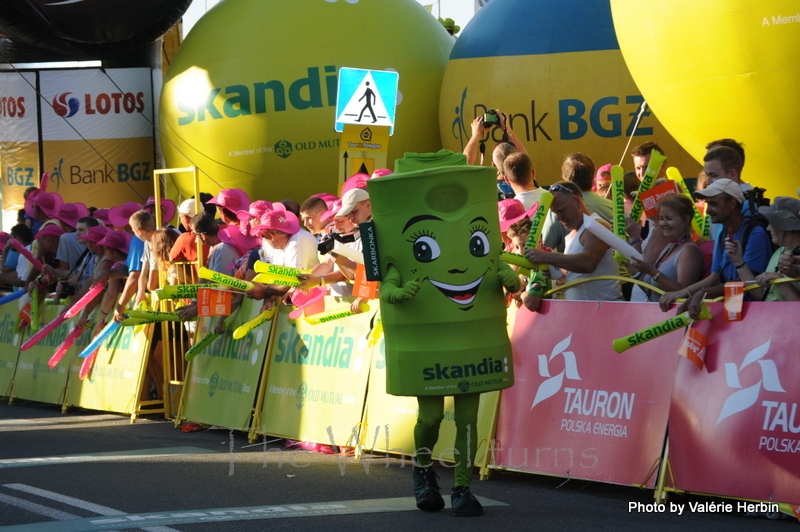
<point x="753" y="199"/>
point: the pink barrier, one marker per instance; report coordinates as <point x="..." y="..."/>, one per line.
<point x="580" y="409"/>
<point x="734" y="427"/>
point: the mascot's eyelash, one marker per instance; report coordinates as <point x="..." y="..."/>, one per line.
<point x="479" y="227"/>
<point x="424" y="232"/>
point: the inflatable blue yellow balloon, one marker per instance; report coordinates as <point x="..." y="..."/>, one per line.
<point x="250" y="96"/>
<point x="555" y="67"/>
<point x="721" y="69"/>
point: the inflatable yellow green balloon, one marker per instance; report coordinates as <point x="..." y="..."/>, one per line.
<point x="721" y="69"/>
<point x="555" y="67"/>
<point x="250" y="96"/>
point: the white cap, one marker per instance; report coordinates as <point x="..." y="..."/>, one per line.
<point x="719" y="186"/>
<point x="187" y="207"/>
<point x="349" y="200"/>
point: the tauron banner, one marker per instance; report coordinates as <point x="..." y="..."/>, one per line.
<point x="97" y="131"/>
<point x="734" y="427"/>
<point x="19" y="140"/>
<point x="585" y="411"/>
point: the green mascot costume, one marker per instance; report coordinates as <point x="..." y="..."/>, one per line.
<point x="436" y="239"/>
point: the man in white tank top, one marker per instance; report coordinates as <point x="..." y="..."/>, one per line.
<point x="585" y="255"/>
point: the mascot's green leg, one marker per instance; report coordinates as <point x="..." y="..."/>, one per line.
<point x="466" y="407"/>
<point x="426" y="433"/>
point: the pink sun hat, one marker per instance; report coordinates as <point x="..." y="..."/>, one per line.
<point x="381" y="172"/>
<point x="49" y="202"/>
<point x="355" y="181"/>
<point x="257" y="209"/>
<point x="95" y="234"/>
<point x="230" y="234"/>
<point x="168" y="208"/>
<point x="233" y="199"/>
<point x="280" y="220"/>
<point x="102" y="215"/>
<point x="29" y="210"/>
<point x="70" y="213"/>
<point x="49" y="229"/>
<point x="119" y="240"/>
<point x="119" y="216"/>
<point x="511" y="211"/>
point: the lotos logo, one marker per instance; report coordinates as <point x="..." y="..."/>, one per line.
<point x="66" y="107"/>
<point x="744" y="398"/>
<point x="552" y="385"/>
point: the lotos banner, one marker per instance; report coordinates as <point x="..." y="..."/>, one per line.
<point x="734" y="427"/>
<point x="19" y="141"/>
<point x="579" y="409"/>
<point x="317" y="378"/>
<point x="113" y="111"/>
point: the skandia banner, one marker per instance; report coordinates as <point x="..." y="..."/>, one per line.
<point x="34" y="379"/>
<point x="10" y="340"/>
<point x="221" y="382"/>
<point x="734" y="427"/>
<point x="317" y="377"/>
<point x="115" y="379"/>
<point x="584" y="410"/>
<point x="389" y="419"/>
<point x="97" y="129"/>
<point x="19" y="140"/>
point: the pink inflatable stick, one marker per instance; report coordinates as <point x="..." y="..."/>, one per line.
<point x="44" y="331"/>
<point x="88" y="362"/>
<point x="65" y="345"/>
<point x="27" y="254"/>
<point x="85" y="300"/>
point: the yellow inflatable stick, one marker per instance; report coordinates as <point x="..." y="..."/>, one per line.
<point x="150" y="315"/>
<point x="137" y="322"/>
<point x="697" y="219"/>
<point x="376" y="332"/>
<point x="659" y="329"/>
<point x="653" y="168"/>
<point x="200" y="345"/>
<point x="278" y="275"/>
<point x="706" y="226"/>
<point x="538" y="219"/>
<point x="242" y="330"/>
<point x="226" y="280"/>
<point x="324" y="317"/>
<point x="183" y="291"/>
<point x="618" y="203"/>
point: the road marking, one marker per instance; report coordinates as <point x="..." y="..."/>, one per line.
<point x="60" y="420"/>
<point x="182" y="517"/>
<point x="36" y="508"/>
<point x="99" y="457"/>
<point x="78" y="503"/>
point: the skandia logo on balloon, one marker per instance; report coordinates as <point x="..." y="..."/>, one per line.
<point x="101" y="103"/>
<point x="258" y="97"/>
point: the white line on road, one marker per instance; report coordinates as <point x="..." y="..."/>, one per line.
<point x="37" y="508"/>
<point x="77" y="503"/>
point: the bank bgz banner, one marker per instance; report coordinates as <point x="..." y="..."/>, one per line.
<point x="19" y="139"/>
<point x="114" y="114"/>
<point x="578" y="408"/>
<point x="734" y="427"/>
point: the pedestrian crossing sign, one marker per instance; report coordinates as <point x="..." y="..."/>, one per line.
<point x="366" y="97"/>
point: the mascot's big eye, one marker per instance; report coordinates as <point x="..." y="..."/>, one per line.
<point x="426" y="249"/>
<point x="479" y="244"/>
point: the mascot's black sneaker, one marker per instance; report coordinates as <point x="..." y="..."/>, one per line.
<point x="426" y="489"/>
<point x="464" y="503"/>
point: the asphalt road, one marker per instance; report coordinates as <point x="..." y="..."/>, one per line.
<point x="54" y="476"/>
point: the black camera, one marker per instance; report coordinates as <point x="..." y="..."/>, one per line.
<point x="67" y="290"/>
<point x="327" y="243"/>
<point x="490" y="118"/>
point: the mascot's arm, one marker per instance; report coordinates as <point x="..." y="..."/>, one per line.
<point x="507" y="276"/>
<point x="392" y="289"/>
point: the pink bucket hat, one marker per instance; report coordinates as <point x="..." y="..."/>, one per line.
<point x="230" y="234"/>
<point x="168" y="208"/>
<point x="4" y="238"/>
<point x="380" y="172"/>
<point x="49" y="229"/>
<point x="233" y="199"/>
<point x="511" y="211"/>
<point x="355" y="181"/>
<point x="95" y="234"/>
<point x="116" y="239"/>
<point x="598" y="178"/>
<point x="257" y="209"/>
<point x="70" y="213"/>
<point x="102" y="215"/>
<point x="49" y="202"/>
<point x="119" y="216"/>
<point x="280" y="220"/>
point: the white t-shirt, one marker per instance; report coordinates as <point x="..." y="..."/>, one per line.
<point x="604" y="290"/>
<point x="300" y="252"/>
<point x="345" y="288"/>
<point x="529" y="197"/>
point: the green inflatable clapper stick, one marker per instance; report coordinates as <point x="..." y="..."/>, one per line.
<point x="538" y="219"/>
<point x="440" y="226"/>
<point x="227" y="280"/>
<point x="183" y="291"/>
<point x="150" y="315"/>
<point x="653" y="168"/>
<point x="659" y="329"/>
<point x="618" y="203"/>
<point x="200" y="345"/>
<point x="336" y="314"/>
<point x="697" y="219"/>
<point x="242" y="330"/>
